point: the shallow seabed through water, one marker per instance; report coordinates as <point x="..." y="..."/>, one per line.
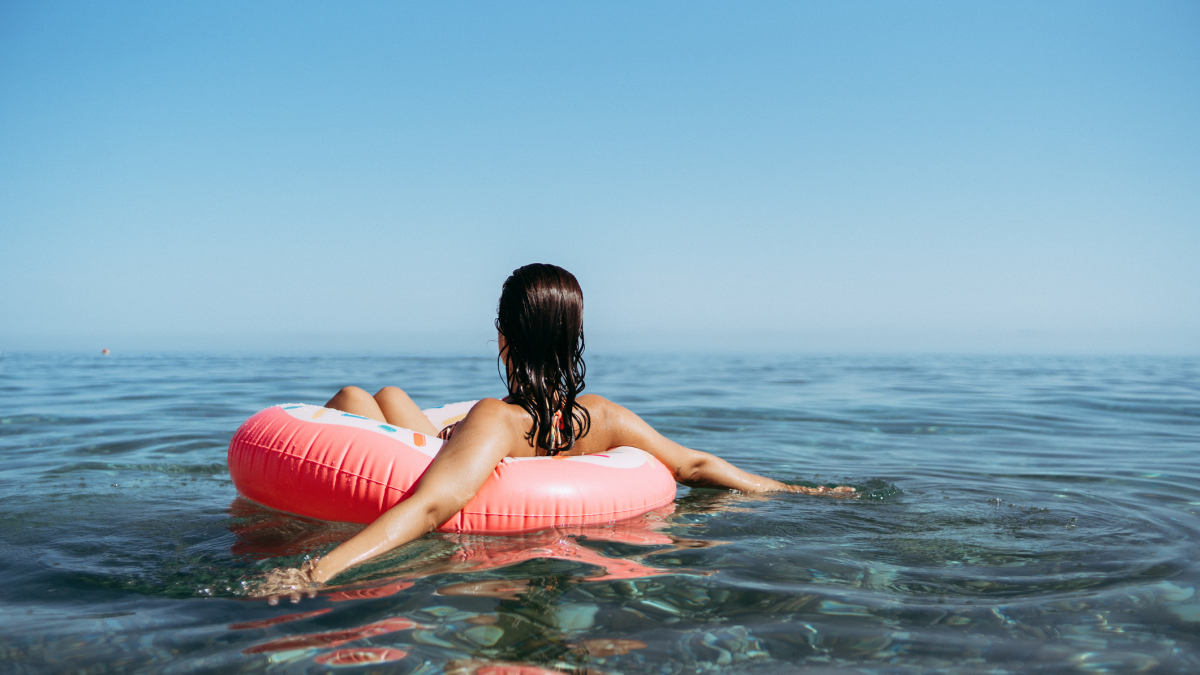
<point x="1017" y="514"/>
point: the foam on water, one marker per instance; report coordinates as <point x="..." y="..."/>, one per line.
<point x="1015" y="513"/>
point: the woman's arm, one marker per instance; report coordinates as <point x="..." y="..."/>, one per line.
<point x="690" y="467"/>
<point x="479" y="443"/>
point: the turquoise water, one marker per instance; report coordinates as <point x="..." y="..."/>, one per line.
<point x="1018" y="514"/>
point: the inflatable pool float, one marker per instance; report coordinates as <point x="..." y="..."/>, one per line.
<point x="330" y="465"/>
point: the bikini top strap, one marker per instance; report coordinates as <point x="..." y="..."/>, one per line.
<point x="556" y="431"/>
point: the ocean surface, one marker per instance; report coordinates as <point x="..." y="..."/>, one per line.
<point x="1016" y="514"/>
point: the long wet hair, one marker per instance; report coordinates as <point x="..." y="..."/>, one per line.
<point x="541" y="318"/>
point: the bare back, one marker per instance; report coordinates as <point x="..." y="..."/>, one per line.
<point x="612" y="425"/>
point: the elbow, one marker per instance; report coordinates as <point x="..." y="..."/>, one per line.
<point x="432" y="517"/>
<point x="692" y="472"/>
<point x="437" y="512"/>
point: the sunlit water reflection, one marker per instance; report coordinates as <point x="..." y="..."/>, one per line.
<point x="1017" y="513"/>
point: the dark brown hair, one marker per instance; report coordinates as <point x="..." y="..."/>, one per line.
<point x="541" y="318"/>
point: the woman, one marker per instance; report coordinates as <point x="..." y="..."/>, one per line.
<point x="540" y="333"/>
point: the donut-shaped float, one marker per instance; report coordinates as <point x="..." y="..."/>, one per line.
<point x="330" y="465"/>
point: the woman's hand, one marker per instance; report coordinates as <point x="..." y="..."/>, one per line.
<point x="288" y="582"/>
<point x="839" y="492"/>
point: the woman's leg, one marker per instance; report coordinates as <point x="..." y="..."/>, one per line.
<point x="400" y="410"/>
<point x="356" y="401"/>
<point x="390" y="405"/>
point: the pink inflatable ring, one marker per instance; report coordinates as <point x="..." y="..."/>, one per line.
<point x="330" y="465"/>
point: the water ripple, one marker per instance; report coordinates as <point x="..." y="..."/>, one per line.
<point x="1015" y="513"/>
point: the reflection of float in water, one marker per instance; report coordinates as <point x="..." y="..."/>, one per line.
<point x="473" y="667"/>
<point x="476" y="554"/>
<point x="479" y="553"/>
<point x="333" y="638"/>
<point x="247" y="625"/>
<point x="261" y="532"/>
<point x="360" y="657"/>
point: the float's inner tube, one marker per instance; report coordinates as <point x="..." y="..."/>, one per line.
<point x="330" y="465"/>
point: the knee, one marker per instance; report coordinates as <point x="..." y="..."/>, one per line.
<point x="351" y="394"/>
<point x="390" y="392"/>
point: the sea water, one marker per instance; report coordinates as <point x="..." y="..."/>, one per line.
<point x="1015" y="514"/>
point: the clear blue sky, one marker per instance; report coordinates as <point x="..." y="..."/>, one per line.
<point x="874" y="176"/>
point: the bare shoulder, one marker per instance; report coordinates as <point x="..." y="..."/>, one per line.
<point x="595" y="401"/>
<point x="494" y="421"/>
<point x="601" y="410"/>
<point x="615" y="425"/>
<point x="490" y="405"/>
<point x="612" y="424"/>
<point x="497" y="411"/>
